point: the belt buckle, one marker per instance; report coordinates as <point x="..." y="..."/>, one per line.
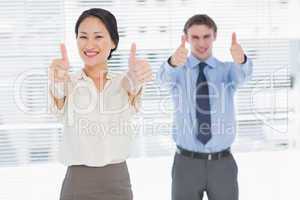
<point x="209" y="157"/>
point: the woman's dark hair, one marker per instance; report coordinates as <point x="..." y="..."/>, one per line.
<point x="108" y="20"/>
<point x="200" y="20"/>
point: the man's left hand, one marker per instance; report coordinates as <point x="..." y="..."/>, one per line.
<point x="236" y="50"/>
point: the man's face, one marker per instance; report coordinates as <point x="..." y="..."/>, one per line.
<point x="201" y="38"/>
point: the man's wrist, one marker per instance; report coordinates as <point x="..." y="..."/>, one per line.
<point x="170" y="63"/>
<point x="245" y="59"/>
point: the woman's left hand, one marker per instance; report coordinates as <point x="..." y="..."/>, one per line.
<point x="139" y="71"/>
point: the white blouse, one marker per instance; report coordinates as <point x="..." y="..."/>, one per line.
<point x="97" y="125"/>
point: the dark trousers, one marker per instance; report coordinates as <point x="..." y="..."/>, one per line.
<point x="110" y="182"/>
<point x="192" y="177"/>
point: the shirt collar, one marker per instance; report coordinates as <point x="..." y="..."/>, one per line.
<point x="81" y="75"/>
<point x="193" y="61"/>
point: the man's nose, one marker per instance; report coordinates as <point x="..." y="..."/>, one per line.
<point x="201" y="42"/>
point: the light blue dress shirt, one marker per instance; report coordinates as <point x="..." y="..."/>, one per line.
<point x="223" y="79"/>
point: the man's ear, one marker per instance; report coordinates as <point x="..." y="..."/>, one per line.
<point x="215" y="35"/>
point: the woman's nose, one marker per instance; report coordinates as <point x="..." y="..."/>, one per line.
<point x="90" y="44"/>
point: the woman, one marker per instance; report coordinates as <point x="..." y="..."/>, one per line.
<point x="96" y="107"/>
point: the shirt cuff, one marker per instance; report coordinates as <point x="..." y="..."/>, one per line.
<point x="246" y="66"/>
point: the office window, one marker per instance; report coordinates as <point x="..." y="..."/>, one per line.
<point x="30" y="33"/>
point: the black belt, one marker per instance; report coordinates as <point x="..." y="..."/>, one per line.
<point x="205" y="156"/>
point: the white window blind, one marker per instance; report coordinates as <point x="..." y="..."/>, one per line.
<point x="30" y="33"/>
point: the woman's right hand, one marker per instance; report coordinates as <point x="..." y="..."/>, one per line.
<point x="59" y="68"/>
<point x="59" y="74"/>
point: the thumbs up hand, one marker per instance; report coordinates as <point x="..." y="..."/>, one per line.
<point x="59" y="75"/>
<point x="179" y="57"/>
<point x="236" y="50"/>
<point x="139" y="71"/>
<point x="59" y="68"/>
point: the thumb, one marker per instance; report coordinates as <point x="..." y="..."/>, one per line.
<point x="233" y="39"/>
<point x="182" y="44"/>
<point x="64" y="55"/>
<point x="132" y="55"/>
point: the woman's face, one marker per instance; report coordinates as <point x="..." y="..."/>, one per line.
<point x="94" y="42"/>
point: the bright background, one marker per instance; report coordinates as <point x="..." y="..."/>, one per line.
<point x="267" y="112"/>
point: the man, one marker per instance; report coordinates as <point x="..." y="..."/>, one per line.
<point x="202" y="89"/>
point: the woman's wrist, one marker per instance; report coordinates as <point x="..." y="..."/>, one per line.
<point x="57" y="89"/>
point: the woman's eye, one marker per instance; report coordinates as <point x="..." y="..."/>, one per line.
<point x="82" y="37"/>
<point x="99" y="36"/>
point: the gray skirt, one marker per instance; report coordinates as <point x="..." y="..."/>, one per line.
<point x="110" y="182"/>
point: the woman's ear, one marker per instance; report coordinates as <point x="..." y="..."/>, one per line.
<point x="113" y="46"/>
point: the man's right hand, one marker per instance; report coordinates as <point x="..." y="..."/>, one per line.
<point x="59" y="68"/>
<point x="179" y="57"/>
